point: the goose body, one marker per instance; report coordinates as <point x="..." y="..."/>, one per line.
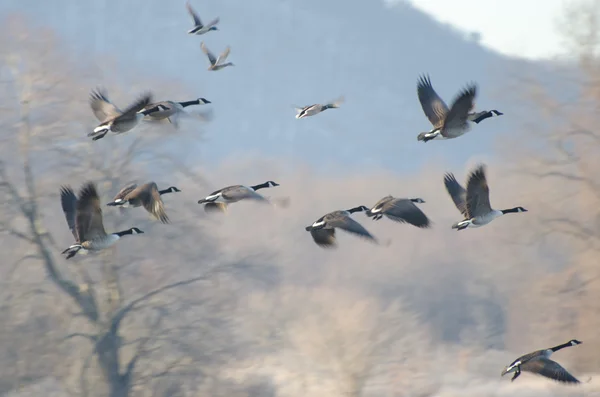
<point x="312" y="110"/>
<point x="216" y="63"/>
<point x="170" y="110"/>
<point x="112" y="118"/>
<point x="84" y="218"/>
<point x="539" y="362"/>
<point x="400" y="210"/>
<point x="323" y="229"/>
<point x="218" y="200"/>
<point x="200" y="28"/>
<point x="474" y="202"/>
<point x="146" y="195"/>
<point x="450" y="122"/>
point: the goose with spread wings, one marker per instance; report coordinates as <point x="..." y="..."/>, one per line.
<point x="146" y="195"/>
<point x="216" y="63"/>
<point x="474" y="202"/>
<point x="317" y="108"/>
<point x="84" y="218"/>
<point x="538" y="362"/>
<point x="218" y="200"/>
<point x="171" y="110"/>
<point x="450" y="122"/>
<point x="402" y="210"/>
<point x="323" y="229"/>
<point x="114" y="119"/>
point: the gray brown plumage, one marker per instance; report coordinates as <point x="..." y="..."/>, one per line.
<point x="146" y="195"/>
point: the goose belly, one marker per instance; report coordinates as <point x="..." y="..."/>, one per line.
<point x="485" y="219"/>
<point x="102" y="243"/>
<point x="455" y="132"/>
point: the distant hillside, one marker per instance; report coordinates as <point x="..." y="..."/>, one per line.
<point x="296" y="53"/>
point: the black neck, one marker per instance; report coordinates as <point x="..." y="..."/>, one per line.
<point x="124" y="232"/>
<point x="510" y="210"/>
<point x="356" y="209"/>
<point x="188" y="103"/>
<point x="261" y="186"/>
<point x="168" y="190"/>
<point x="557" y="348"/>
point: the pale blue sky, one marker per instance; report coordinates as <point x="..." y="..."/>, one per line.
<point x="523" y="28"/>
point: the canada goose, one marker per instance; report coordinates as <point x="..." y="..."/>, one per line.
<point x="311" y="110"/>
<point x="401" y="210"/>
<point x="539" y="363"/>
<point x="323" y="229"/>
<point x="453" y="122"/>
<point x="146" y="195"/>
<point x="84" y="218"/>
<point x="200" y="28"/>
<point x="217" y="63"/>
<point x="474" y="202"/>
<point x="170" y="110"/>
<point x="112" y="118"/>
<point x="217" y="200"/>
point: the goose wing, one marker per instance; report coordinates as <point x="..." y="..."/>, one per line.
<point x="456" y="118"/>
<point x="239" y="192"/>
<point x="324" y="237"/>
<point x="550" y="369"/>
<point x="457" y="193"/>
<point x="88" y="218"/>
<point x="215" y="207"/>
<point x="102" y="107"/>
<point x="212" y="23"/>
<point x="210" y="55"/>
<point x="125" y="191"/>
<point x="152" y="202"/>
<point x="144" y="100"/>
<point x="405" y="211"/>
<point x="68" y="201"/>
<point x="433" y="106"/>
<point x="478" y="193"/>
<point x="194" y="14"/>
<point x="344" y="222"/>
<point x="224" y="55"/>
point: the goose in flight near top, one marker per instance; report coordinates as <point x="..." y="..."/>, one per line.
<point x="538" y="362"/>
<point x="112" y="118"/>
<point x="170" y="110"/>
<point x="450" y="122"/>
<point x="84" y="218"/>
<point x="199" y="28"/>
<point x="311" y="110"/>
<point x="323" y="229"/>
<point x="474" y="202"/>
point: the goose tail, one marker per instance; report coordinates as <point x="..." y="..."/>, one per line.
<point x="72" y="250"/>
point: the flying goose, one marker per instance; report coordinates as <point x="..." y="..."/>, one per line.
<point x="112" y="118"/>
<point x="323" y="229"/>
<point x="401" y="210"/>
<point x="170" y="110"/>
<point x="453" y="122"/>
<point x="218" y="200"/>
<point x="199" y="28"/>
<point x="539" y="363"/>
<point x="216" y="63"/>
<point x="311" y="110"/>
<point x="146" y="195"/>
<point x="84" y="218"/>
<point x="474" y="202"/>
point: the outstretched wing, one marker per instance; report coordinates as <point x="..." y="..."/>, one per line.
<point x="68" y="201"/>
<point x="433" y="106"/>
<point x="457" y="193"/>
<point x="224" y="55"/>
<point x="324" y="237"/>
<point x="550" y="369"/>
<point x="350" y="225"/>
<point x="194" y="14"/>
<point x="210" y="55"/>
<point x="88" y="218"/>
<point x="102" y="107"/>
<point x="405" y="211"/>
<point x="144" y="100"/>
<point x="152" y="201"/>
<point x="478" y="193"/>
<point x="125" y="191"/>
<point x="457" y="116"/>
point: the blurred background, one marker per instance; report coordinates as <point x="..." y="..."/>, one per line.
<point x="246" y="304"/>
